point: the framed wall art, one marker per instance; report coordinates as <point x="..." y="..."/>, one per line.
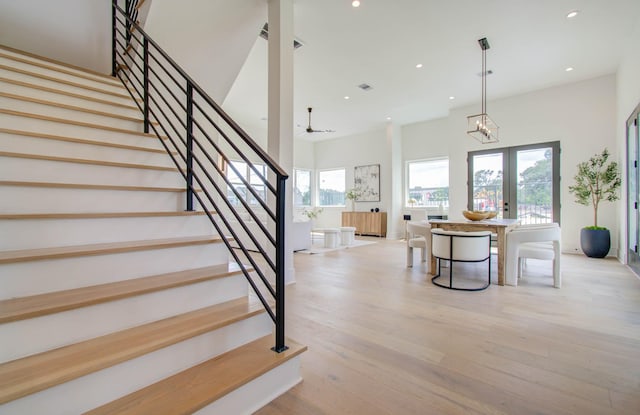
<point x="367" y="181"/>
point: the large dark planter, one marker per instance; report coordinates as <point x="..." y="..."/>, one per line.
<point x="595" y="243"/>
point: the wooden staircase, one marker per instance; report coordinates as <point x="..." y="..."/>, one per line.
<point x="113" y="299"/>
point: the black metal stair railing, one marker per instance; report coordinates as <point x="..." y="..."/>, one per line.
<point x="239" y="187"/>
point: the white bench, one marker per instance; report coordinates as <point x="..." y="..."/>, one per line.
<point x="331" y="236"/>
<point x="347" y="235"/>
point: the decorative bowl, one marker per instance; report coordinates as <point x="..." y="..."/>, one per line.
<point x="492" y="214"/>
<point x="475" y="215"/>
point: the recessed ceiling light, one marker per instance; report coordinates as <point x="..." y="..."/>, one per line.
<point x="419" y="66"/>
<point x="346" y="97"/>
<point x="355" y="3"/>
<point x="452" y="97"/>
<point x="388" y="118"/>
<point x="569" y="69"/>
<point x="572" y="14"/>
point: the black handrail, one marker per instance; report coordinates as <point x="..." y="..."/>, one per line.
<point x="204" y="142"/>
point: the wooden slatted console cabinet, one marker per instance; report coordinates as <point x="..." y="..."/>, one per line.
<point x="366" y="223"/>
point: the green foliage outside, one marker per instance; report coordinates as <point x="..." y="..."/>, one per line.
<point x="535" y="186"/>
<point x="487" y="186"/>
<point x="596" y="181"/>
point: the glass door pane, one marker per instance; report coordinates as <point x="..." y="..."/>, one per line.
<point x="534" y="194"/>
<point x="487" y="182"/>
<point x="521" y="182"/>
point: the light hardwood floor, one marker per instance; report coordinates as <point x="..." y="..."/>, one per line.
<point x="383" y="340"/>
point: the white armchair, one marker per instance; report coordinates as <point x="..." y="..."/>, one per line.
<point x="533" y="241"/>
<point x="418" y="236"/>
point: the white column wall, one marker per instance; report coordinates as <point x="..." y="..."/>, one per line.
<point x="280" y="128"/>
<point x="395" y="224"/>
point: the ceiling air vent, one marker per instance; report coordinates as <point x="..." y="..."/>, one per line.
<point x="264" y="33"/>
<point x="365" y="87"/>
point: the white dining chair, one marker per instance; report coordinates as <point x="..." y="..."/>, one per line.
<point x="418" y="236"/>
<point x="532" y="241"/>
<point x="456" y="246"/>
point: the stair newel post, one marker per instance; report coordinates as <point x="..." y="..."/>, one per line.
<point x="145" y="110"/>
<point x="189" y="146"/>
<point x="280" y="246"/>
<point x="113" y="37"/>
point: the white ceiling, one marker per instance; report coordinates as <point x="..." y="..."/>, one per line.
<point x="380" y="43"/>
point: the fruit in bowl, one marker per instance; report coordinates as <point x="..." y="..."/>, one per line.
<point x="475" y="214"/>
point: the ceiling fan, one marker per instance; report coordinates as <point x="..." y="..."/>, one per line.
<point x="311" y="130"/>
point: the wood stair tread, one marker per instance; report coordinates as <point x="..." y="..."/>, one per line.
<point x="24" y="255"/>
<point x="93" y="186"/>
<point x="70" y="83"/>
<point x="99" y="215"/>
<point x="77" y="123"/>
<point x="107" y="80"/>
<point x="57" y="62"/>
<point x="84" y="141"/>
<point x="54" y="302"/>
<point x="34" y="373"/>
<point x="69" y="107"/>
<point x="67" y="93"/>
<point x="86" y="161"/>
<point x="194" y="388"/>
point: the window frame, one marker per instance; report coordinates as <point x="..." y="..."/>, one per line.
<point x="251" y="178"/>
<point x="407" y="189"/>
<point x="295" y="187"/>
<point x="319" y="187"/>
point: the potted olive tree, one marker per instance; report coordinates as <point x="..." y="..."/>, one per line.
<point x="596" y="180"/>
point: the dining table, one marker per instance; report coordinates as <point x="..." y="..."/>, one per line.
<point x="500" y="227"/>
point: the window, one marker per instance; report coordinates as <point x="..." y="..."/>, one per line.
<point x="331" y="187"/>
<point x="428" y="183"/>
<point x="301" y="187"/>
<point x="250" y="176"/>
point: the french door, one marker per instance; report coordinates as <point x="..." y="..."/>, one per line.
<point x="633" y="149"/>
<point x="521" y="182"/>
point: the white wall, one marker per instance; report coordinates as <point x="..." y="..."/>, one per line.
<point x="582" y="116"/>
<point x="628" y="97"/>
<point x="348" y="152"/>
<point x="77" y="32"/>
<point x="219" y="35"/>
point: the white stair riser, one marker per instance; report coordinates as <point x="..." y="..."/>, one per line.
<point x="56" y="200"/>
<point x="37" y="277"/>
<point x="26" y="91"/>
<point x="43" y="233"/>
<point x="51" y="70"/>
<point x="33" y="125"/>
<point x="90" y="391"/>
<point x="262" y="390"/>
<point x="41" y="146"/>
<point x="107" y="92"/>
<point x="19" y="169"/>
<point x="35" y="335"/>
<point x="69" y="114"/>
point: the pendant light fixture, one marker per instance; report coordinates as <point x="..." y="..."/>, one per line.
<point x="481" y="126"/>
